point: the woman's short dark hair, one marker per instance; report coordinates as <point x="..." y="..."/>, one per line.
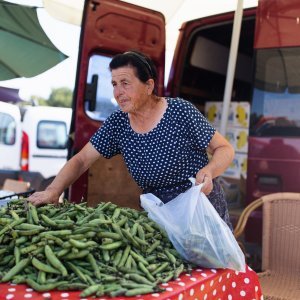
<point x="141" y="63"/>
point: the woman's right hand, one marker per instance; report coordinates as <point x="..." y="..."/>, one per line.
<point x="45" y="197"/>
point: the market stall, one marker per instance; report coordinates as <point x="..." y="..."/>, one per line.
<point x="200" y="284"/>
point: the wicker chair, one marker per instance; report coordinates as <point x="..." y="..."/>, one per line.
<point x="280" y="279"/>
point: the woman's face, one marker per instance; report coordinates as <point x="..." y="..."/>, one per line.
<point x="130" y="93"/>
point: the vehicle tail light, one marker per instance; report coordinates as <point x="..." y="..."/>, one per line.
<point x="25" y="152"/>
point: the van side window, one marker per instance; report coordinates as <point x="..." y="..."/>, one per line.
<point x="7" y="129"/>
<point x="100" y="92"/>
<point x="205" y="66"/>
<point x="276" y="97"/>
<point x="51" y="135"/>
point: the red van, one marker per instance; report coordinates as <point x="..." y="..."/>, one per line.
<point x="266" y="76"/>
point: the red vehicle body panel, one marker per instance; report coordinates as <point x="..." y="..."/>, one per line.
<point x="277" y="24"/>
<point x="273" y="162"/>
<point x="111" y="26"/>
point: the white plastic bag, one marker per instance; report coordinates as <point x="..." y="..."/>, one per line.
<point x="196" y="230"/>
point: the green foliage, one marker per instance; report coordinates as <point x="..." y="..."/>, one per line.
<point x="59" y="97"/>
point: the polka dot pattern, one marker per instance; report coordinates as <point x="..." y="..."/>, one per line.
<point x="162" y="160"/>
<point x="246" y="286"/>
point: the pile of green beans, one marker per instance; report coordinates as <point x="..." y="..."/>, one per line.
<point x="106" y="250"/>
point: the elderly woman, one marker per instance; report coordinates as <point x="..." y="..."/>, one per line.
<point x="164" y="141"/>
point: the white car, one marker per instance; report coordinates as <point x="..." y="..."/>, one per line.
<point x="10" y="136"/>
<point x="44" y="142"/>
<point x="33" y="146"/>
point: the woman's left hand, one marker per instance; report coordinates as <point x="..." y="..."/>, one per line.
<point x="206" y="178"/>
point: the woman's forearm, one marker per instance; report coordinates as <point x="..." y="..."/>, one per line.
<point x="73" y="169"/>
<point x="220" y="160"/>
<point x="66" y="176"/>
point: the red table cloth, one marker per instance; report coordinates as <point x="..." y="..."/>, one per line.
<point x="210" y="284"/>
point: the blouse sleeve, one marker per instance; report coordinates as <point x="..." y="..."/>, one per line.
<point x="105" y="139"/>
<point x="200" y="130"/>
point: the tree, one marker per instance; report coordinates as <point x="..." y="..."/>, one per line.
<point x="60" y="97"/>
<point x="36" y="100"/>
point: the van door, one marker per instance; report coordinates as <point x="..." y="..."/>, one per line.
<point x="274" y="141"/>
<point x="109" y="27"/>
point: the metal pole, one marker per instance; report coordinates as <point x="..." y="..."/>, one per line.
<point x="238" y="15"/>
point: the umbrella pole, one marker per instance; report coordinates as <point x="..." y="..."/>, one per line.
<point x="238" y="15"/>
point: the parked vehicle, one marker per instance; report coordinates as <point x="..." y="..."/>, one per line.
<point x="10" y="136"/>
<point x="266" y="77"/>
<point x="40" y="147"/>
<point x="44" y="143"/>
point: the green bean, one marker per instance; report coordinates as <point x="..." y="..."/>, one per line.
<point x="48" y="221"/>
<point x="28" y="249"/>
<point x="33" y="212"/>
<point x="80" y="254"/>
<point x="16" y="269"/>
<point x="43" y="267"/>
<point x="4" y="221"/>
<point x="140" y="232"/>
<point x="27" y="226"/>
<point x="130" y="238"/>
<point x="170" y="256"/>
<point x="146" y="271"/>
<point x="161" y="268"/>
<point x="41" y="277"/>
<point x="116" y="213"/>
<point x="97" y="222"/>
<point x="21" y="240"/>
<point x="148" y="228"/>
<point x="63" y="232"/>
<point x="54" y="261"/>
<point x="56" y="239"/>
<point x="117" y="292"/>
<point x="90" y="290"/>
<point x="138" y="278"/>
<point x="108" y="234"/>
<point x="72" y="286"/>
<point x="134" y="228"/>
<point x="117" y="257"/>
<point x="11" y="225"/>
<point x="139" y="258"/>
<point x="116" y="228"/>
<point x="83" y="245"/>
<point x="17" y="254"/>
<point x="121" y="222"/>
<point x="43" y="288"/>
<point x="178" y="271"/>
<point x="125" y="255"/>
<point x="153" y="247"/>
<point x="14" y="215"/>
<point x="94" y="265"/>
<point x="3" y="250"/>
<point x="77" y="272"/>
<point x="139" y="291"/>
<point x="28" y="232"/>
<point x="112" y="246"/>
<point x="128" y="262"/>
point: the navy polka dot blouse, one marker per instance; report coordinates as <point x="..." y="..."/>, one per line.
<point x="162" y="160"/>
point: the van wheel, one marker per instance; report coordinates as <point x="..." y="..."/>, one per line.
<point x="44" y="184"/>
